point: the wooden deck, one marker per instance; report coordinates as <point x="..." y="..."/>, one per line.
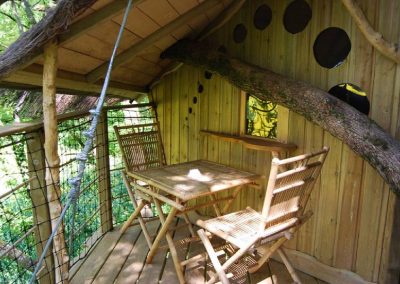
<point x="121" y="259"/>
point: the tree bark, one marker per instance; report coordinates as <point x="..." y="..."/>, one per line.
<point x="52" y="158"/>
<point x="390" y="50"/>
<point x="362" y="134"/>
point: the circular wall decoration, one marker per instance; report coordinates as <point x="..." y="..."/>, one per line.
<point x="200" y="88"/>
<point x="331" y="47"/>
<point x="353" y="95"/>
<point x="222" y="49"/>
<point x="262" y="17"/>
<point x="207" y="75"/>
<point x="239" y="33"/>
<point x="297" y="15"/>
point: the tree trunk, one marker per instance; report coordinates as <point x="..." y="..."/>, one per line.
<point x="52" y="158"/>
<point x="362" y="134"/>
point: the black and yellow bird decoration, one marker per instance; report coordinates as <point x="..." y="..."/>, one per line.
<point x="352" y="95"/>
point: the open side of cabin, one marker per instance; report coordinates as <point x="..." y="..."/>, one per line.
<point x="352" y="237"/>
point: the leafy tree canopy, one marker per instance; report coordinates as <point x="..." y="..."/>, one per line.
<point x="17" y="16"/>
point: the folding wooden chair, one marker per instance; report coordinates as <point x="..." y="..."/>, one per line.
<point x="289" y="187"/>
<point x="141" y="148"/>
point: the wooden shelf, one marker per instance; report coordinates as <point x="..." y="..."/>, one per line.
<point x="252" y="143"/>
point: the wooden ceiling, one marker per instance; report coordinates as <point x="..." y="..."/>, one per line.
<point x="152" y="26"/>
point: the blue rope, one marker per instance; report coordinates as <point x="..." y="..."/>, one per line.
<point x="83" y="155"/>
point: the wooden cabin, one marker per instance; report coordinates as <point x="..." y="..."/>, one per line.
<point x="353" y="236"/>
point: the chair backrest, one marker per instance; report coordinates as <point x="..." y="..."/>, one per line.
<point x="289" y="186"/>
<point x="141" y="146"/>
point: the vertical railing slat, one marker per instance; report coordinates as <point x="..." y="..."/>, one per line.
<point x="40" y="209"/>
<point x="103" y="171"/>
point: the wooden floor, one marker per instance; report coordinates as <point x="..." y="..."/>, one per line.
<point x="121" y="259"/>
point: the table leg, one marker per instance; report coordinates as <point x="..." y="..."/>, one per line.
<point x="187" y="220"/>
<point x="215" y="205"/>
<point x="164" y="231"/>
<point x="229" y="202"/>
<point x="135" y="205"/>
<point x="132" y="217"/>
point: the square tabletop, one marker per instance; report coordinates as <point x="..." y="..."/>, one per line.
<point x="193" y="179"/>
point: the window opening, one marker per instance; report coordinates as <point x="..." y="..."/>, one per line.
<point x="261" y="117"/>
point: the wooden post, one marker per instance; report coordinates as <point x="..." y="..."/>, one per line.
<point x="37" y="193"/>
<point x="52" y="159"/>
<point x="103" y="172"/>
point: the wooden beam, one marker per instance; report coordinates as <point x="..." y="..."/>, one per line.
<point x="96" y="18"/>
<point x="76" y="29"/>
<point x="141" y="46"/>
<point x="73" y="83"/>
<point x="221" y="19"/>
<point x="53" y="160"/>
<point x="389" y="49"/>
<point x="27" y="127"/>
<point x="217" y="23"/>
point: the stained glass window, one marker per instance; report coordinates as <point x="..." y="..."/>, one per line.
<point x="261" y="117"/>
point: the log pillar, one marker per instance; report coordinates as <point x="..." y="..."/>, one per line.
<point x="103" y="172"/>
<point x="37" y="193"/>
<point x="52" y="159"/>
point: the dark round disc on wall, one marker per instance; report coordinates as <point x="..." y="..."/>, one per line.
<point x="297" y="15"/>
<point x="239" y="33"/>
<point x="222" y="49"/>
<point x="194" y="100"/>
<point x="200" y="88"/>
<point x="190" y="110"/>
<point x="331" y="47"/>
<point x="262" y="17"/>
<point x="353" y="95"/>
<point x="207" y="75"/>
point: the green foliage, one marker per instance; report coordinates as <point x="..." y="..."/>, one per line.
<point x="6" y="114"/>
<point x="16" y="209"/>
<point x="261" y="118"/>
<point x="17" y="17"/>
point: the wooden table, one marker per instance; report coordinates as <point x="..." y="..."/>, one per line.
<point x="180" y="183"/>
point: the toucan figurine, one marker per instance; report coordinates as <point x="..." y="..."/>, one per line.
<point x="352" y="95"/>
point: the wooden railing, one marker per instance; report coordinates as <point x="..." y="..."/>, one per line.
<point x="35" y="184"/>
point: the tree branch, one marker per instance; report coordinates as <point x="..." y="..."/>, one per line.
<point x="360" y="133"/>
<point x="11" y="18"/>
<point x="29" y="12"/>
<point x="11" y="252"/>
<point x="17" y="19"/>
<point x="388" y="49"/>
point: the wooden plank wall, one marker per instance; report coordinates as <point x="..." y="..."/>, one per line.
<point x="353" y="208"/>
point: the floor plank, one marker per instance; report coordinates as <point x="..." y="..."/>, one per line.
<point x="282" y="276"/>
<point x="89" y="269"/>
<point x="135" y="261"/>
<point x="195" y="271"/>
<point x="121" y="259"/>
<point x="118" y="256"/>
<point x="263" y="275"/>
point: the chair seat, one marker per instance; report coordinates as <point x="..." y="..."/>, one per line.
<point x="242" y="227"/>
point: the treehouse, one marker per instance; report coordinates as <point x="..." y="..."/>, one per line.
<point x="229" y="86"/>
